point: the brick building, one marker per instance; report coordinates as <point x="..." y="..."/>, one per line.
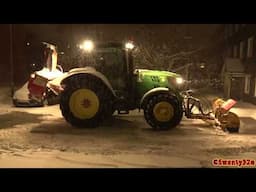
<point x="240" y="53"/>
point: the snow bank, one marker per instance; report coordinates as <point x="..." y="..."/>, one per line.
<point x="22" y="93"/>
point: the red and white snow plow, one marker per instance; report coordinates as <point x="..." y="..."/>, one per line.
<point x="36" y="91"/>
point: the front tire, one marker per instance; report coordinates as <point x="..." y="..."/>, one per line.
<point x="163" y="111"/>
<point x="85" y="101"/>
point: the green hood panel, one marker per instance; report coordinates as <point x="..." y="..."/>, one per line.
<point x="156" y="73"/>
<point x="150" y="79"/>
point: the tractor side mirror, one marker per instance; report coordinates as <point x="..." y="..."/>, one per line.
<point x="101" y="61"/>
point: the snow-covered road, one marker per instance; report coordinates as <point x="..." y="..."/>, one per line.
<point x="40" y="137"/>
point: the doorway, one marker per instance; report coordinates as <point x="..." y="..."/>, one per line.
<point x="236" y="89"/>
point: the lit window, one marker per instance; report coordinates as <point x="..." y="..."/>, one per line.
<point x="247" y="84"/>
<point x="241" y="51"/>
<point x="250" y="47"/>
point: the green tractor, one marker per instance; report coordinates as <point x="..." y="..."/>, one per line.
<point x="109" y="83"/>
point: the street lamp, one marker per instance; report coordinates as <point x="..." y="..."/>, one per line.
<point x="129" y="45"/>
<point x="202" y="65"/>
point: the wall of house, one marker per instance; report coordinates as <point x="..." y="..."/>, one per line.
<point x="251" y="96"/>
<point x="235" y="34"/>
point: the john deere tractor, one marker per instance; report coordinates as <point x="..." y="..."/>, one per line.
<point x="109" y="83"/>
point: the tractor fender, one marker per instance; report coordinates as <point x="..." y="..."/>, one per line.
<point x="153" y="92"/>
<point x="88" y="71"/>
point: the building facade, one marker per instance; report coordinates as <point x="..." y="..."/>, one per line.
<point x="240" y="45"/>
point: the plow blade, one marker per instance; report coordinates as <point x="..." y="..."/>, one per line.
<point x="227" y="120"/>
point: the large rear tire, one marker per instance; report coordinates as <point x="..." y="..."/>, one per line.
<point x="163" y="111"/>
<point x="85" y="101"/>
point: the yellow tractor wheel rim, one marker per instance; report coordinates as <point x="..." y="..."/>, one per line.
<point x="84" y="104"/>
<point x="163" y="111"/>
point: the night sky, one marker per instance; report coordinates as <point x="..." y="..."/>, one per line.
<point x="160" y="33"/>
<point x="177" y="37"/>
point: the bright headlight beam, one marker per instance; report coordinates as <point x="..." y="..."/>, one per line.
<point x="179" y="80"/>
<point x="87" y="46"/>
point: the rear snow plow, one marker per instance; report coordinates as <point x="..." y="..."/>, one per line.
<point x="220" y="114"/>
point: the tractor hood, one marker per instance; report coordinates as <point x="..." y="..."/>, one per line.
<point x="156" y="73"/>
<point x="150" y="79"/>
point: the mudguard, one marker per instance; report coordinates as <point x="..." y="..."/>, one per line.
<point x="86" y="70"/>
<point x="155" y="91"/>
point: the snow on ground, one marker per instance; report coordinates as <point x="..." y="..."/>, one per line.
<point x="40" y="137"/>
<point x="22" y="93"/>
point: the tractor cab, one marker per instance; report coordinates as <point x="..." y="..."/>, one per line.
<point x="114" y="60"/>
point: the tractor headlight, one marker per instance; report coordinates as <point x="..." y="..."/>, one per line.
<point x="87" y="46"/>
<point x="179" y="80"/>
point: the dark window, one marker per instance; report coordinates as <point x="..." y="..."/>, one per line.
<point x="229" y="52"/>
<point x="250" y="47"/>
<point x="236" y="27"/>
<point x="241" y="51"/>
<point x="235" y="51"/>
<point x="230" y="29"/>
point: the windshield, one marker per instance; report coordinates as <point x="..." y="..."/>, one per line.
<point x="104" y="60"/>
<point x="110" y="62"/>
